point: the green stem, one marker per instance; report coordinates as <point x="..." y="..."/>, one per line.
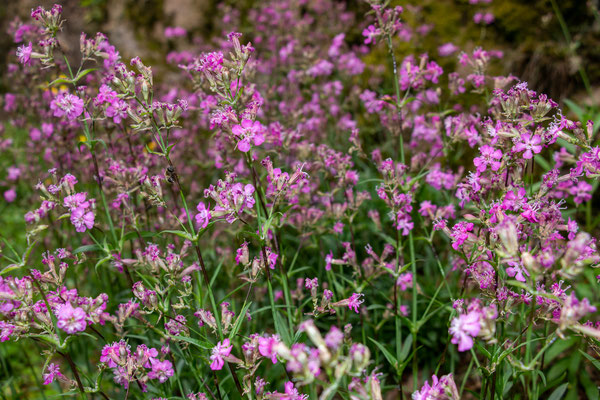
<point x="415" y="366"/>
<point x="464" y="382"/>
<point x="398" y="304"/>
<point x="568" y="38"/>
<point x="529" y="338"/>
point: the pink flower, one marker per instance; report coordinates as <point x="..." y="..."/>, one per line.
<point x="82" y="219"/>
<point x="328" y="260"/>
<point x="321" y="68"/>
<point x="447" y="49"/>
<point x="572" y="228"/>
<point x="248" y="131"/>
<point x="10" y="102"/>
<point x="486" y="18"/>
<point x="114" y="353"/>
<point x="442" y="388"/>
<point x="203" y="216"/>
<point x="582" y="192"/>
<point x="334" y="338"/>
<point x="222" y="349"/>
<point x="404" y="224"/>
<point x="211" y="62"/>
<point x="35" y="134"/>
<point x="77" y="200"/>
<point x="460" y="233"/>
<point x="174" y="31"/>
<point x="272" y="259"/>
<point x="371" y="33"/>
<point x="52" y="371"/>
<point x="6" y="330"/>
<point x="10" y="195"/>
<point x="244" y="145"/>
<point x="71" y="320"/>
<point x="161" y="370"/>
<point x="489" y="156"/>
<point x="355" y="301"/>
<point x="24" y="54"/>
<point x="67" y="104"/>
<point x="463" y="329"/>
<point x="293" y="393"/>
<point x="266" y="347"/>
<point x="517" y="271"/>
<point x="530" y="144"/>
<point x="117" y="110"/>
<point x="405" y="281"/>
<point x="242" y="255"/>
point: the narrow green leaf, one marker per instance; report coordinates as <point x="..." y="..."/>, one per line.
<point x="28" y="252"/>
<point x="134" y="234"/>
<point x="483" y="351"/>
<point x="282" y="329"/>
<point x="559" y="392"/>
<point x="406" y="347"/>
<point x="58" y="81"/>
<point x="181" y="234"/>
<point x="239" y="320"/>
<point x="83" y="73"/>
<point x="9" y="268"/>
<point x="198" y="343"/>
<point x="591" y="389"/>
<point x="86" y="248"/>
<point x="391" y="359"/>
<point x="595" y="363"/>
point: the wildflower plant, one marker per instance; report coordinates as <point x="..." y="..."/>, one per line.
<point x="276" y="218"/>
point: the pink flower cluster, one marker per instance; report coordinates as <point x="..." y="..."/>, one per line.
<point x="140" y="366"/>
<point x="82" y="214"/>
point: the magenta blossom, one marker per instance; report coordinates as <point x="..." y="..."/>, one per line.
<point x="529" y="144"/>
<point x="266" y="347"/>
<point x="6" y="330"/>
<point x="10" y="195"/>
<point x="222" y="349"/>
<point x="82" y="219"/>
<point x="24" y="54"/>
<point x="442" y="388"/>
<point x="248" y="131"/>
<point x="371" y="33"/>
<point x="203" y="216"/>
<point x="77" y="200"/>
<point x="463" y="329"/>
<point x="460" y="233"/>
<point x="517" y="271"/>
<point x="489" y="157"/>
<point x="67" y="104"/>
<point x="355" y="301"/>
<point x="161" y="370"/>
<point x="71" y="320"/>
<point x="52" y="372"/>
<point x="291" y="393"/>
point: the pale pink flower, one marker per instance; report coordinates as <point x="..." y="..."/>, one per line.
<point x="71" y="320"/>
<point x="463" y="328"/>
<point x="67" y="104"/>
<point x="24" y="54"/>
<point x="161" y="370"/>
<point x="222" y="349"/>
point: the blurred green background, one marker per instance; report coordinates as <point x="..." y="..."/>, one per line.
<point x="546" y="42"/>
